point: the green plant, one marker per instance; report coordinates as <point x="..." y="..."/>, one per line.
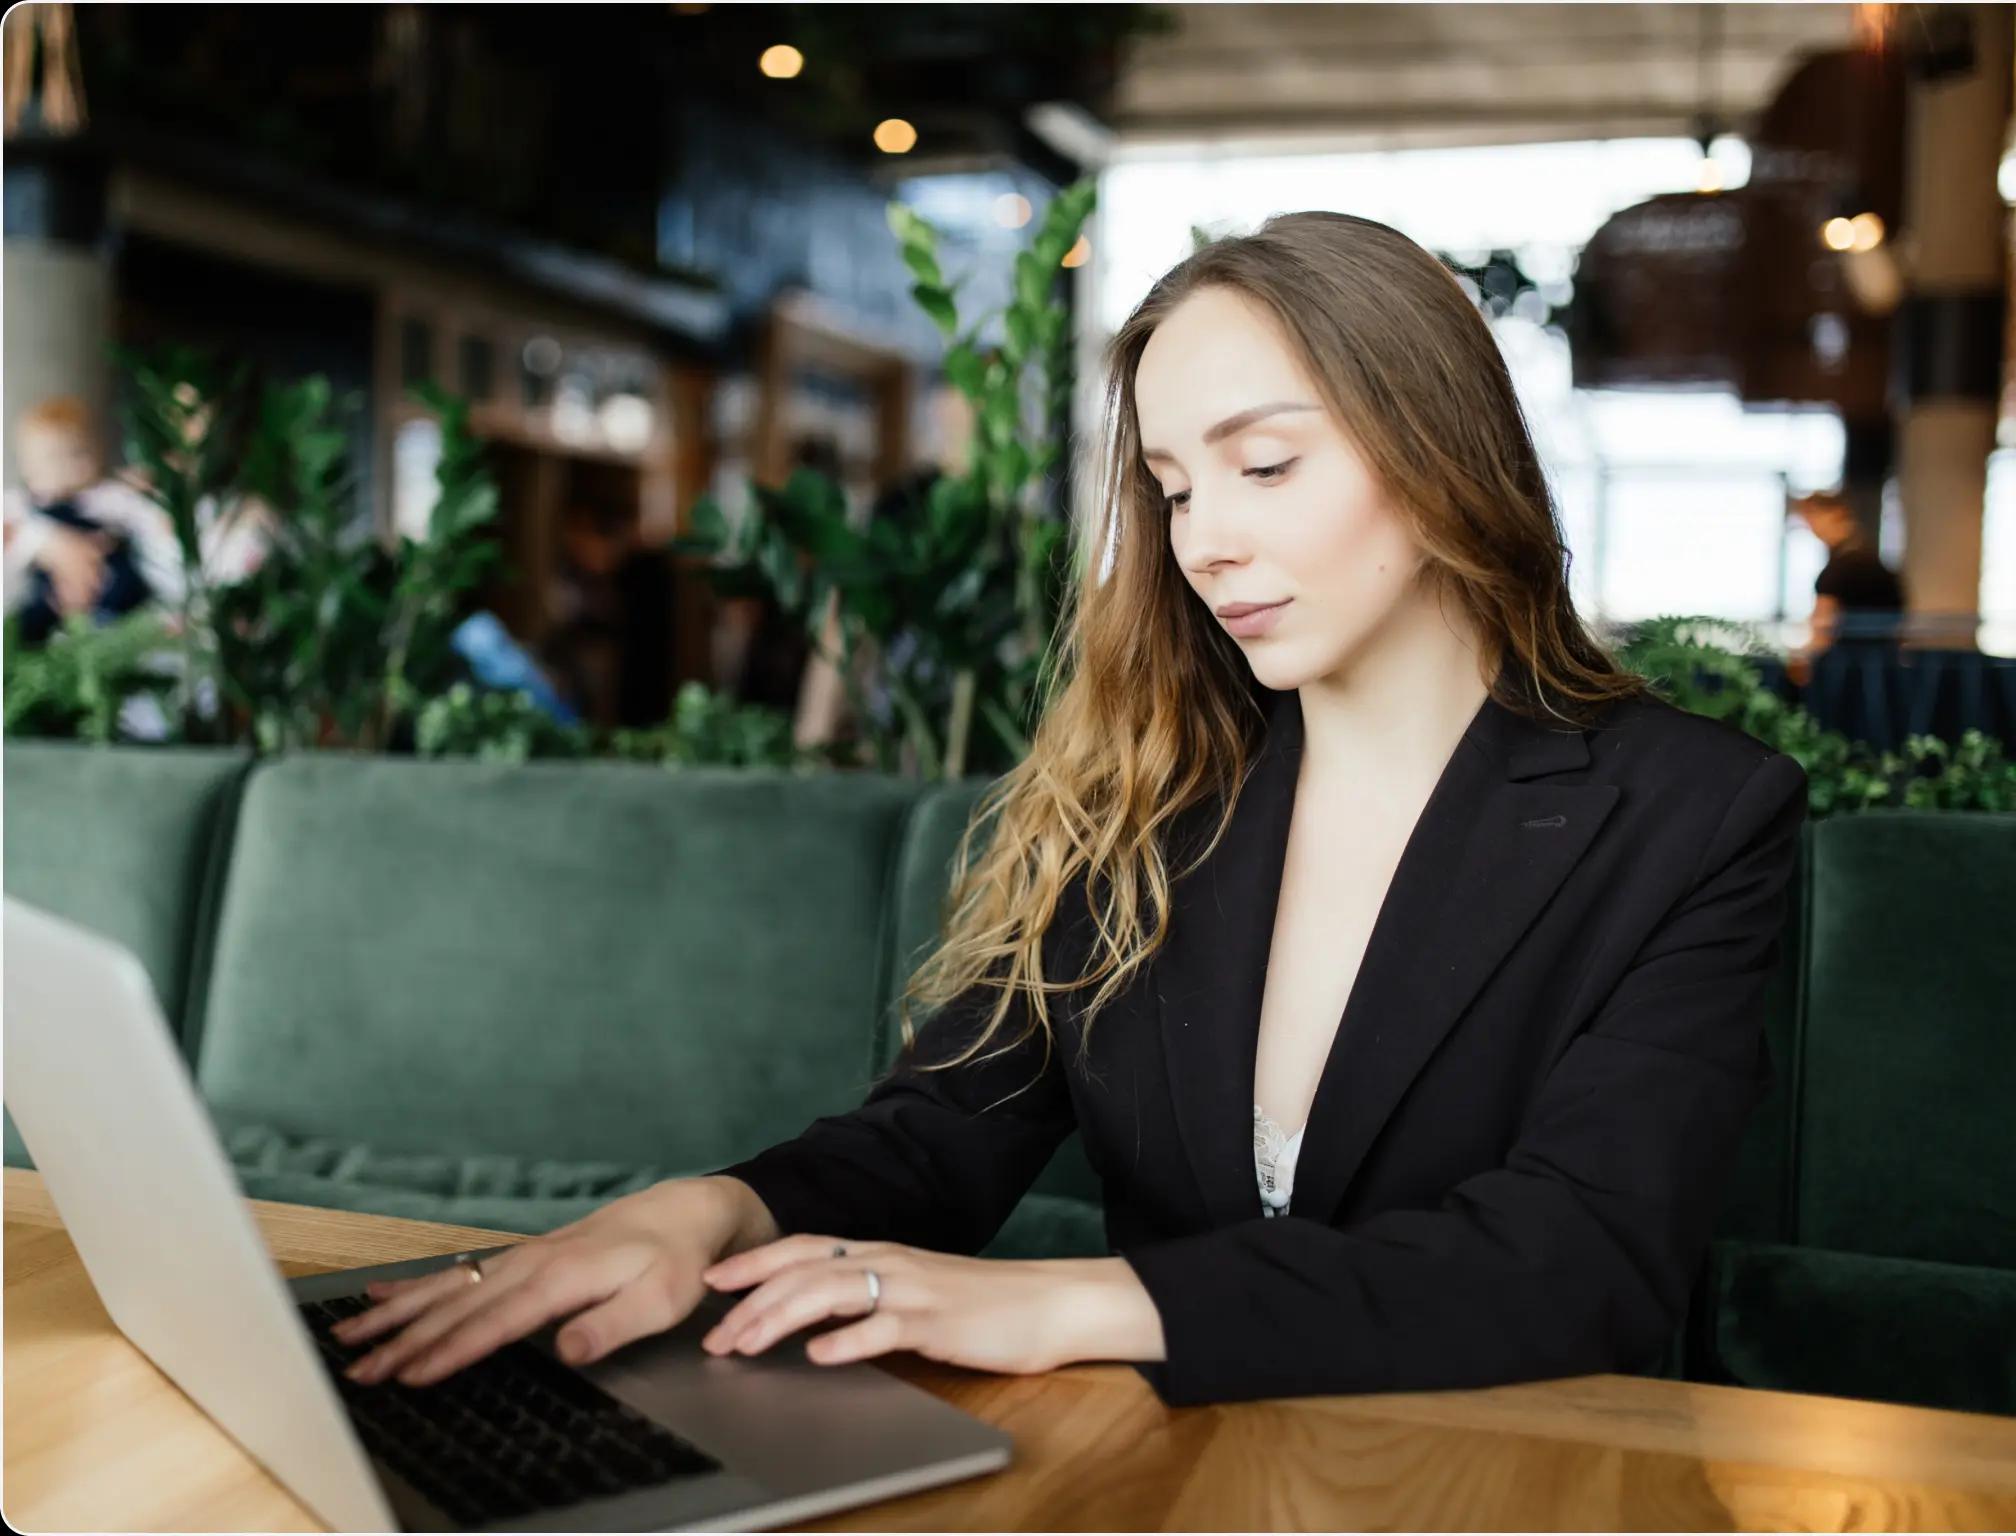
<point x="76" y="683"/>
<point x="928" y="576"/>
<point x="956" y="585"/>
<point x="494" y="725"/>
<point x="183" y="429"/>
<point x="336" y="637"/>
<point x="704" y="728"/>
<point x="1708" y="666"/>
<point x="713" y="729"/>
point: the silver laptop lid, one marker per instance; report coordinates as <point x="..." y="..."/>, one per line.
<point x="129" y="1155"/>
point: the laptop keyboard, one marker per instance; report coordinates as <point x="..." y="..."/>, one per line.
<point x="511" y="1434"/>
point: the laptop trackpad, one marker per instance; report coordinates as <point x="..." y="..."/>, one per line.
<point x="788" y="1422"/>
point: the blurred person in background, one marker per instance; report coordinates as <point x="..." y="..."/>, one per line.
<point x="80" y="539"/>
<point x="77" y="539"/>
<point x="1853" y="581"/>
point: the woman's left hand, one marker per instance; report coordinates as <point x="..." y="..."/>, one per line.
<point x="1004" y="1315"/>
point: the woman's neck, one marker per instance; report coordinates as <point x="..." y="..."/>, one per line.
<point x="1400" y="704"/>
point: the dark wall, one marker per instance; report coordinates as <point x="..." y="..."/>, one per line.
<point x="285" y="327"/>
<point x="765" y="209"/>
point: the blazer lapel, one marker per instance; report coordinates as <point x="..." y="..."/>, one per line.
<point x="1471" y="879"/>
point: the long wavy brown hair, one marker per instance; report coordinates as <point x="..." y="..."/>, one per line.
<point x="1149" y="708"/>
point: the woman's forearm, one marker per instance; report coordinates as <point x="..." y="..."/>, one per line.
<point x="746" y="1221"/>
<point x="1105" y="1312"/>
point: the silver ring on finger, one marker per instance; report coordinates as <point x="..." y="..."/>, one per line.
<point x="874" y="1289"/>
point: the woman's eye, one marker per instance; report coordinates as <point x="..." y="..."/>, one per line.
<point x="1267" y="474"/>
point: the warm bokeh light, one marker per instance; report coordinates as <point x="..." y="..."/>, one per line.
<point x="1838" y="234"/>
<point x="1709" y="177"/>
<point x="781" y="61"/>
<point x="1872" y="25"/>
<point x="893" y="136"/>
<point x="1012" y="210"/>
<point x="1079" y="254"/>
<point x="1866" y="232"/>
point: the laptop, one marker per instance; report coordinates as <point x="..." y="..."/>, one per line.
<point x="658" y="1435"/>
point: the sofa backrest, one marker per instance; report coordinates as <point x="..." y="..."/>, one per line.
<point x="1907" y="1118"/>
<point x="128" y="844"/>
<point x="641" y="967"/>
<point x="598" y="945"/>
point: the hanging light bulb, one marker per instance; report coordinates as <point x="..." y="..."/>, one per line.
<point x="894" y="136"/>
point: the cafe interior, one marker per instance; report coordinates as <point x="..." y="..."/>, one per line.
<point x="531" y="531"/>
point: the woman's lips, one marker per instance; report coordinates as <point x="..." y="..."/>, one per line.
<point x="1257" y="622"/>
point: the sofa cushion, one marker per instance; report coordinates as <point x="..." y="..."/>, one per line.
<point x="1796" y="1319"/>
<point x="602" y="962"/>
<point x="122" y="840"/>
<point x="509" y="1193"/>
<point x="1907" y="1138"/>
<point x="536" y="1194"/>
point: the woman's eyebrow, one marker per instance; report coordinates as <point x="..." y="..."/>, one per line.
<point x="1235" y="423"/>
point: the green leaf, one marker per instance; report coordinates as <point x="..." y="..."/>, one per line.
<point x="1001" y="418"/>
<point x="923" y="266"/>
<point x="909" y="226"/>
<point x="937" y="303"/>
<point x="710" y="525"/>
<point x="1022" y="334"/>
<point x="1014" y="464"/>
<point x="964" y="369"/>
<point x="1032" y="281"/>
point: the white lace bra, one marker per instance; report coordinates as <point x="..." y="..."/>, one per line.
<point x="1274" y="1163"/>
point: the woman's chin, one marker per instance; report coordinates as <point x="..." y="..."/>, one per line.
<point x="1274" y="670"/>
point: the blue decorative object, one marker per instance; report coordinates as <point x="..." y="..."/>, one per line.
<point x="498" y="661"/>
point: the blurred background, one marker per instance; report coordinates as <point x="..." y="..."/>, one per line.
<point x="1748" y="263"/>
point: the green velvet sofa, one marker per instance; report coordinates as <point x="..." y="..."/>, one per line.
<point x="503" y="995"/>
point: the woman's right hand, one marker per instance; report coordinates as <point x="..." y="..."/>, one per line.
<point x="628" y="1269"/>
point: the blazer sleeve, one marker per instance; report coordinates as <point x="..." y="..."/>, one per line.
<point x="934" y="1159"/>
<point x="1578" y="1254"/>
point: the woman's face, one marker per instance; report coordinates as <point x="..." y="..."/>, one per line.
<point x="1271" y="499"/>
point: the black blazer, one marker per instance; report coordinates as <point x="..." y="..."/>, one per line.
<point x="1523" y="1129"/>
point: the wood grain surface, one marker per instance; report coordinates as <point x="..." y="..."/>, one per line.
<point x="97" y="1439"/>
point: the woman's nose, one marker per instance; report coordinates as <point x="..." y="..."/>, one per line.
<point x="1212" y="538"/>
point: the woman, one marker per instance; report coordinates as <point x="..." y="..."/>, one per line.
<point x="1402" y="862"/>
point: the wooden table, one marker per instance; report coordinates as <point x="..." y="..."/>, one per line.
<point x="98" y="1439"/>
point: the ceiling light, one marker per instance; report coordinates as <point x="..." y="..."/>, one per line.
<point x="893" y="136"/>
